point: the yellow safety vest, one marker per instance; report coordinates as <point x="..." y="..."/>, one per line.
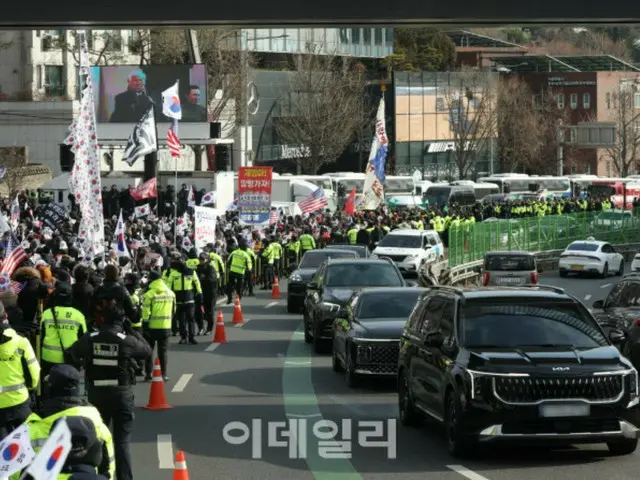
<point x="307" y="242"/>
<point x="239" y="261"/>
<point x="14" y="354"/>
<point x="61" y="334"/>
<point x="159" y="306"/>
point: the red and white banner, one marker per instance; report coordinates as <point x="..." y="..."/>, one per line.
<point x="148" y="189"/>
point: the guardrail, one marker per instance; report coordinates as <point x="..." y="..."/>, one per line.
<point x="468" y="243"/>
<point x="548" y="260"/>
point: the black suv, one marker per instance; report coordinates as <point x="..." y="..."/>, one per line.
<point x="515" y="363"/>
<point x="619" y="314"/>
<point x="333" y="284"/>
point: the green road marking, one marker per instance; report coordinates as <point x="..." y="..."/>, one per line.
<point x="300" y="402"/>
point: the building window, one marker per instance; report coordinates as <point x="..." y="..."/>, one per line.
<point x="388" y="36"/>
<point x="39" y="77"/>
<point x="89" y="36"/>
<point x="344" y="35"/>
<point x="536" y="100"/>
<point x="607" y="100"/>
<point x="53" y="80"/>
<point x="560" y="100"/>
<point x="136" y="42"/>
<point x="51" y="40"/>
<point x="355" y="35"/>
<point x="377" y="36"/>
<point x="366" y="36"/>
<point x="573" y="100"/>
<point x="636" y="100"/>
<point x="586" y="101"/>
<point x="113" y="40"/>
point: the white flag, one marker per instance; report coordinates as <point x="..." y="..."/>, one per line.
<point x="191" y="199"/>
<point x="121" y="244"/>
<point x="51" y="457"/>
<point x="15" y="452"/>
<point x="143" y="140"/>
<point x="143" y="210"/>
<point x="171" y="107"/>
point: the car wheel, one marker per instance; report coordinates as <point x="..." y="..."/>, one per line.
<point x="307" y="336"/>
<point x="292" y="307"/>
<point x="319" y="345"/>
<point x="605" y="271"/>
<point x="563" y="273"/>
<point x="620" y="271"/>
<point x="409" y="416"/>
<point x="623" y="447"/>
<point x="335" y="361"/>
<point x="351" y="378"/>
<point x="459" y="446"/>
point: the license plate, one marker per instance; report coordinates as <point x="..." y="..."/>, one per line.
<point x="565" y="410"/>
<point x="577" y="267"/>
<point x="508" y="280"/>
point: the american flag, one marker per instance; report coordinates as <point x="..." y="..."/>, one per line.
<point x="173" y="142"/>
<point x="273" y="217"/>
<point x="16" y="287"/>
<point x="14" y="256"/>
<point x="315" y="201"/>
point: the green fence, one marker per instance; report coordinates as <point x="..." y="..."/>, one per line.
<point x="468" y="243"/>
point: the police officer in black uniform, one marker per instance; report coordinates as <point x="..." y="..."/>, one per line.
<point x="109" y="356"/>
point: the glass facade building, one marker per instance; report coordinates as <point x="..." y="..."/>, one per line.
<point x="425" y="123"/>
<point x="353" y="42"/>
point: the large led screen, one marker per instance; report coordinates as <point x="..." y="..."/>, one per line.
<point x="124" y="93"/>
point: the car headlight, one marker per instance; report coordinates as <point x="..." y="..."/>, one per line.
<point x="330" y="307"/>
<point x="295" y="278"/>
<point x="413" y="257"/>
<point x="634" y="391"/>
<point x="480" y="384"/>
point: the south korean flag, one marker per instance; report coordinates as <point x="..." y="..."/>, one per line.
<point x="143" y="211"/>
<point x="143" y="140"/>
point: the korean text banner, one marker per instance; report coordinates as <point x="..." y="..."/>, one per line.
<point x="254" y="194"/>
<point x="205" y="229"/>
<point x="123" y="94"/>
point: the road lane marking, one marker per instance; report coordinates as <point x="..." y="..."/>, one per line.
<point x="240" y="325"/>
<point x="272" y="304"/>
<point x="182" y="383"/>
<point x="300" y="399"/>
<point x="465" y="472"/>
<point x="606" y="285"/>
<point x="361" y="412"/>
<point x="212" y="347"/>
<point x="587" y="297"/>
<point x="165" y="452"/>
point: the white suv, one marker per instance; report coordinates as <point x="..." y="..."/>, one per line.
<point x="410" y="249"/>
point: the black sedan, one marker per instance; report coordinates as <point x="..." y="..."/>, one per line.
<point x="366" y="334"/>
<point x="362" y="250"/>
<point x="303" y="273"/>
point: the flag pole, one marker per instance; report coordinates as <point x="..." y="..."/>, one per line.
<point x="175" y="203"/>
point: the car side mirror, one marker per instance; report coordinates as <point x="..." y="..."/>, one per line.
<point x="312" y="286"/>
<point x="434" y="340"/>
<point x="617" y="336"/>
<point x="598" y="304"/>
<point x="411" y="283"/>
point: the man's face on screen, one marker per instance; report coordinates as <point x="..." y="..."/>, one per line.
<point x="194" y="96"/>
<point x="136" y="83"/>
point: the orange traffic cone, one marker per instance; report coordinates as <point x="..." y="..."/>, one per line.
<point x="220" y="335"/>
<point x="237" y="312"/>
<point x="275" y="291"/>
<point x="157" y="397"/>
<point x="180" y="471"/>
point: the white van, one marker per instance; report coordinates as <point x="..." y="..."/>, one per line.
<point x="410" y="249"/>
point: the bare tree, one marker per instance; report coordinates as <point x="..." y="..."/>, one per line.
<point x="105" y="47"/>
<point x="624" y="156"/>
<point x="470" y="98"/>
<point x="324" y="109"/>
<point x="6" y="40"/>
<point x="14" y="159"/>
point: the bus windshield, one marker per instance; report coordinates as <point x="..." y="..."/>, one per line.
<point x="437" y="195"/>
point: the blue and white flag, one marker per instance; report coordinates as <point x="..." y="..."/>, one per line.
<point x="3" y="171"/>
<point x="373" y="190"/>
<point x="121" y="244"/>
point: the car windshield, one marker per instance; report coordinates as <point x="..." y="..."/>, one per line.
<point x="360" y="251"/>
<point x="509" y="263"/>
<point x="521" y="324"/>
<point x="401" y="241"/>
<point x="388" y="304"/>
<point x="584" y="247"/>
<point x="363" y="275"/>
<point x="315" y="259"/>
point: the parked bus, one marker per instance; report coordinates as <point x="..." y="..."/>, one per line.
<point x="560" y="186"/>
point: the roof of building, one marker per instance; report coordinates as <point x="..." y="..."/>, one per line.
<point x="577" y="63"/>
<point x="464" y="38"/>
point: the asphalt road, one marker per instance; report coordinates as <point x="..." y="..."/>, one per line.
<point x="266" y="373"/>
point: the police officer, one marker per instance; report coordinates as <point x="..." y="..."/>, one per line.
<point x="251" y="267"/>
<point x="218" y="264"/>
<point x="208" y="277"/>
<point x="65" y="400"/>
<point x="185" y="285"/>
<point x="307" y="242"/>
<point x="158" y="308"/>
<point x="108" y="356"/>
<point x="86" y="451"/>
<point x="61" y="326"/>
<point x="238" y="261"/>
<point x="132" y="284"/>
<point x="19" y="373"/>
<point x="277" y="254"/>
